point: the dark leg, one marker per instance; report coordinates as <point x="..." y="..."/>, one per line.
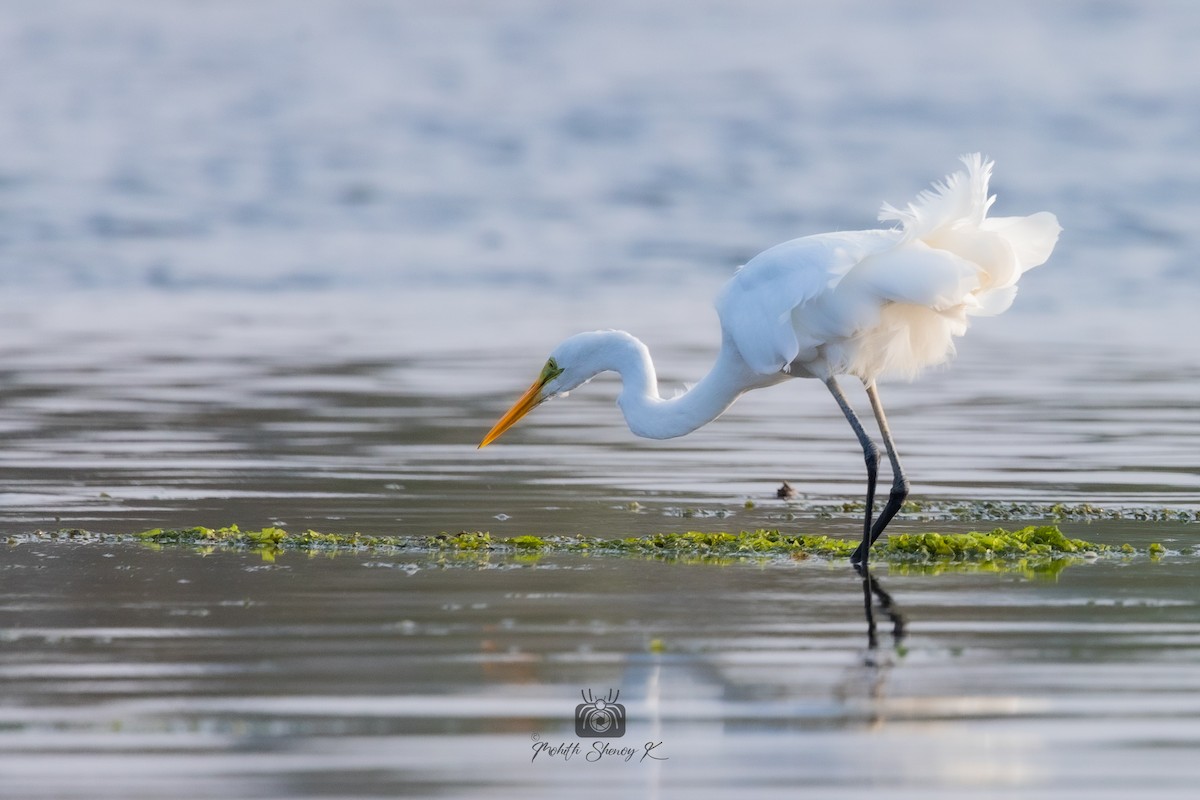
<point x="871" y="455"/>
<point x="899" y="482"/>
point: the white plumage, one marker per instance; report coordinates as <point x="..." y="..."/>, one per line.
<point x="884" y="302"/>
<point x="864" y="303"/>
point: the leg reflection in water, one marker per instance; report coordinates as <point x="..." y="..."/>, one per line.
<point x="872" y="590"/>
<point x="862" y="687"/>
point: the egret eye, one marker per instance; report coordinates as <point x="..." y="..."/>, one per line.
<point x="551" y="371"/>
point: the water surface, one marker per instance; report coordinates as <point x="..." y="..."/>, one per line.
<point x="133" y="673"/>
<point x="286" y="262"/>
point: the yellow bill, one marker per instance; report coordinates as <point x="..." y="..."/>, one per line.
<point x="530" y="400"/>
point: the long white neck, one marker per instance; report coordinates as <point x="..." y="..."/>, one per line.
<point x="647" y="413"/>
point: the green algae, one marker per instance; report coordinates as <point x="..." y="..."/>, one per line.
<point x="1034" y="549"/>
<point x="1001" y="511"/>
<point x="1034" y="541"/>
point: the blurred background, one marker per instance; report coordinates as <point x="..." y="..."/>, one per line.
<point x="286" y="260"/>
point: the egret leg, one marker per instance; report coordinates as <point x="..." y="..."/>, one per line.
<point x="899" y="482"/>
<point x="871" y="456"/>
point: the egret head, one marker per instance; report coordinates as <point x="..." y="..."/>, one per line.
<point x="574" y="362"/>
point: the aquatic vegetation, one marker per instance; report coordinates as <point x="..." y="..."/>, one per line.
<point x="999" y="511"/>
<point x="1040" y="550"/>
<point x="1034" y="541"/>
<point x="1032" y="550"/>
<point x="467" y="540"/>
<point x="270" y="537"/>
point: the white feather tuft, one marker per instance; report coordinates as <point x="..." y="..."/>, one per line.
<point x="872" y="303"/>
<point x="961" y="198"/>
<point x="951" y="262"/>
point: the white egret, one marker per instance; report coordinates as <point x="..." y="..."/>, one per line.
<point x="864" y="303"/>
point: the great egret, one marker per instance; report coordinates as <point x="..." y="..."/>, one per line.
<point x="863" y="303"/>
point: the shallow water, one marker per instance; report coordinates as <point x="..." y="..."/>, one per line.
<point x="325" y="417"/>
<point x="286" y="262"/>
<point x="134" y="673"/>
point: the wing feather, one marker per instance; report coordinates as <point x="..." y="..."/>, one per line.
<point x="876" y="302"/>
<point x="756" y="304"/>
